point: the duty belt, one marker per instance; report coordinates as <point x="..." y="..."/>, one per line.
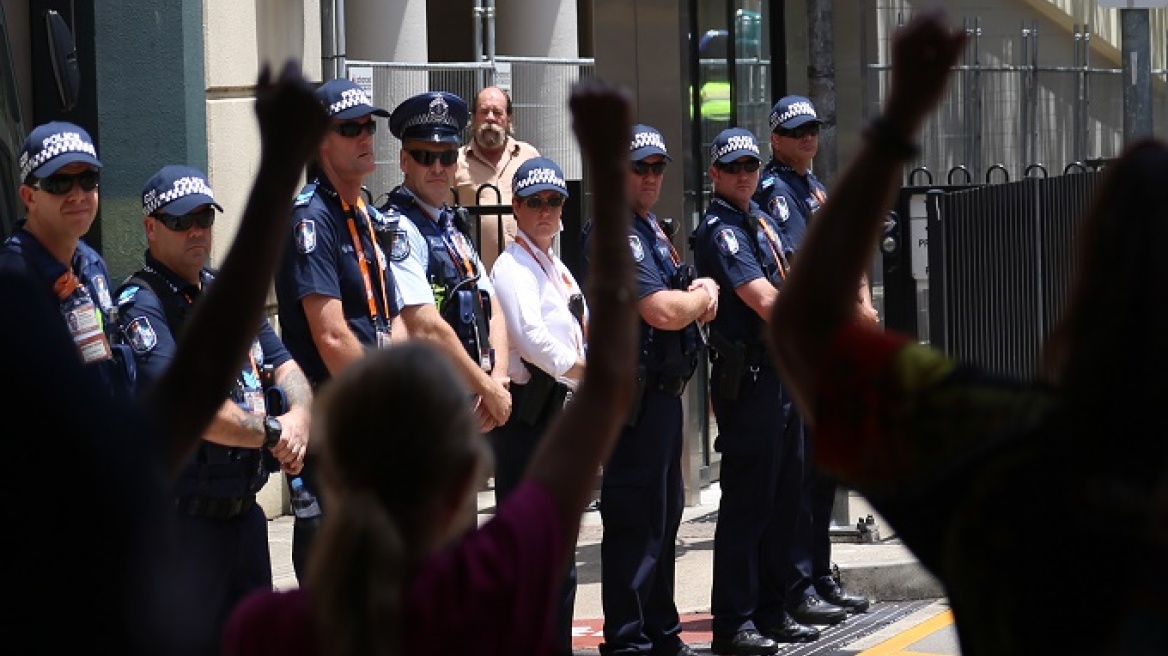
<point x="214" y="508"/>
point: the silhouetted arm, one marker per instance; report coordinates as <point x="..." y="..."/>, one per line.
<point x="820" y="294"/>
<point x="224" y="323"/>
<point x="583" y="437"/>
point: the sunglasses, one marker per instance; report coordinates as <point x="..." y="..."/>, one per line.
<point x="535" y="202"/>
<point x="60" y="184"/>
<point x="734" y="168"/>
<point x="801" y="131"/>
<point x="643" y="168"/>
<point x="204" y="218"/>
<point x="352" y="128"/>
<point x="428" y="157"/>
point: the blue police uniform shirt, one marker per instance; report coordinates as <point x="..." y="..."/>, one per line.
<point x="319" y="258"/>
<point x="664" y="352"/>
<point x="411" y="268"/>
<point x="24" y="252"/>
<point x="791" y="198"/>
<point x="215" y="470"/>
<point x="729" y="249"/>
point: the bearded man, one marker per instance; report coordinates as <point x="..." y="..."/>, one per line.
<point x="486" y="165"/>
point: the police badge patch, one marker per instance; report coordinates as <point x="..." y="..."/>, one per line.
<point x="141" y="336"/>
<point x="638" y="249"/>
<point x="779" y="208"/>
<point x="399" y="246"/>
<point x="306" y="236"/>
<point x="727" y="242"/>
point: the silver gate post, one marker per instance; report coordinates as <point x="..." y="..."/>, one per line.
<point x="1137" y="74"/>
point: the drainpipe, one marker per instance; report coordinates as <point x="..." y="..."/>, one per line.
<point x="490" y="10"/>
<point x="341" y="53"/>
<point x="332" y="39"/>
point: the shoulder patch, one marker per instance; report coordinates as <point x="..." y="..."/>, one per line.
<point x="767" y="182"/>
<point x="305" y="195"/>
<point x="399" y="245"/>
<point x="727" y="242"/>
<point x="779" y="208"/>
<point x="638" y="248"/>
<point x="306" y="236"/>
<point x="141" y="336"/>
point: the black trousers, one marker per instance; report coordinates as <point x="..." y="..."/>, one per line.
<point x="513" y="444"/>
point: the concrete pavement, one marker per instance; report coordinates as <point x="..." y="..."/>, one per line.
<point x="883" y="569"/>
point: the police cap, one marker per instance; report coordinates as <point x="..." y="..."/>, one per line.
<point x="538" y="174"/>
<point x="178" y="190"/>
<point x="791" y="112"/>
<point x="436" y="116"/>
<point x="53" y="145"/>
<point x="732" y="144"/>
<point x="647" y="141"/>
<point x="345" y="99"/>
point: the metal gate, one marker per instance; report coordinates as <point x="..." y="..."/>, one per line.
<point x="981" y="271"/>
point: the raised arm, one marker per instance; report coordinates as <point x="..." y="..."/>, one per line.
<point x="585" y="433"/>
<point x="292" y="123"/>
<point x="820" y="293"/>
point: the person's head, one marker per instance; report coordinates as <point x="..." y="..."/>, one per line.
<point x="179" y="210"/>
<point x="734" y="164"/>
<point x="538" y="192"/>
<point x="346" y="153"/>
<point x="402" y="404"/>
<point x="795" y="132"/>
<point x="647" y="161"/>
<point x="60" y="173"/>
<point x="430" y="128"/>
<point x="491" y="118"/>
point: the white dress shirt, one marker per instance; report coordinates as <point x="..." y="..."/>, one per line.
<point x="533" y="288"/>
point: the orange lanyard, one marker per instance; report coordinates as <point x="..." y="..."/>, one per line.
<point x="66" y="284"/>
<point x="452" y="240"/>
<point x="521" y="239"/>
<point x="662" y="236"/>
<point x="775" y="245"/>
<point x="363" y="262"/>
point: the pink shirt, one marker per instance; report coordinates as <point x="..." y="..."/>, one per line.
<point x="493" y="589"/>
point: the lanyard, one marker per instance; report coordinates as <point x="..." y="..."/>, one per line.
<point x="521" y="239"/>
<point x="66" y="284"/>
<point x="452" y="239"/>
<point x="661" y="236"/>
<point x="775" y="245"/>
<point x="363" y="261"/>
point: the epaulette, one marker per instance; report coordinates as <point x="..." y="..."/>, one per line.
<point x="768" y="181"/>
<point x="386" y="220"/>
<point x="305" y="195"/>
<point x="127" y="294"/>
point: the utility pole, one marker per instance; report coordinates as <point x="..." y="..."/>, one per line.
<point x="1136" y="52"/>
<point x="821" y="84"/>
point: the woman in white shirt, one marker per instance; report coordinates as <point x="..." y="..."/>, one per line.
<point x="546" y="328"/>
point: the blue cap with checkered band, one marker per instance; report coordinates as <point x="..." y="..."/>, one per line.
<point x="791" y="112"/>
<point x="53" y="145"/>
<point x="538" y="174"/>
<point x="177" y="190"/>
<point x="345" y="99"/>
<point x="436" y="116"/>
<point x="647" y="141"/>
<point x="732" y="144"/>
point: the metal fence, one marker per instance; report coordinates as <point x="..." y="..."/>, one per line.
<point x="539" y="89"/>
<point x="993" y="265"/>
<point x="1005" y="108"/>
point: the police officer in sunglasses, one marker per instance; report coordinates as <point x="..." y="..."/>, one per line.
<point x="61" y="172"/>
<point x="221" y="544"/>
<point x="789" y="191"/>
<point x="447" y="296"/>
<point x="335" y="290"/>
<point x="642" y="494"/>
<point x="741" y="247"/>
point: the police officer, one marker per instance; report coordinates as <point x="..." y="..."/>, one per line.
<point x="447" y="296"/>
<point x="641" y="496"/>
<point x="60" y="173"/>
<point x="335" y="290"/>
<point x="762" y="466"/>
<point x="221" y="538"/>
<point x="791" y="194"/>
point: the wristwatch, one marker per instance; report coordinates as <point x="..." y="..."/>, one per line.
<point x="272" y="431"/>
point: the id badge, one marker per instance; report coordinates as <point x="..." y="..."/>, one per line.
<point x="85" y="327"/>
<point x="382" y="338"/>
<point x="255" y="400"/>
